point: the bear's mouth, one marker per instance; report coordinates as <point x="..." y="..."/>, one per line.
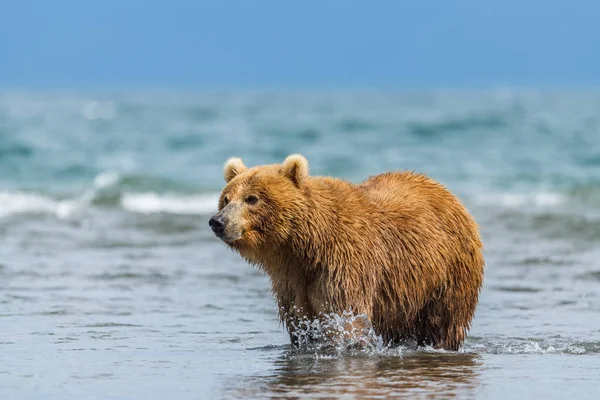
<point x="229" y="239"/>
<point x="235" y="239"/>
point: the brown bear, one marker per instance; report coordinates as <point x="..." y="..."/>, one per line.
<point x="397" y="248"/>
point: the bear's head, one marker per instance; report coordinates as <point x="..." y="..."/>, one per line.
<point x="259" y="206"/>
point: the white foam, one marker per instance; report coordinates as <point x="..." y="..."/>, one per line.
<point x="106" y="179"/>
<point x="30" y="203"/>
<point x="518" y="346"/>
<point x="549" y="199"/>
<point x="12" y="203"/>
<point x="150" y="203"/>
<point x="514" y="200"/>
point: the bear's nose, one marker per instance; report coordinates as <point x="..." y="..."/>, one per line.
<point x="217" y="224"/>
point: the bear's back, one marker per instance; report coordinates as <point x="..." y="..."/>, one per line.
<point x="401" y="188"/>
<point x="424" y="209"/>
<point x="415" y="194"/>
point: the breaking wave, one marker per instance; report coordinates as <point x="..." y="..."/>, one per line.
<point x="30" y="203"/>
<point x="514" y="200"/>
<point x="149" y="203"/>
<point x="108" y="190"/>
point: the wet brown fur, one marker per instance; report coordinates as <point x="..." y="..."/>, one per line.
<point x="398" y="247"/>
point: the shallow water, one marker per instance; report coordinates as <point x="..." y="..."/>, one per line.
<point x="112" y="285"/>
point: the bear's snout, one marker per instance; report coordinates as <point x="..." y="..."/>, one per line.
<point x="217" y="224"/>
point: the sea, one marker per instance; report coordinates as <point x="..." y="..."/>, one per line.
<point x="112" y="285"/>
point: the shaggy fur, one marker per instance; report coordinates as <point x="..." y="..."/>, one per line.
<point x="399" y="248"/>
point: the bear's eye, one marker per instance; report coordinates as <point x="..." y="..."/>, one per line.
<point x="252" y="199"/>
<point x="225" y="201"/>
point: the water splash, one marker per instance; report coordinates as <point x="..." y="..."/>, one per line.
<point x="336" y="334"/>
<point x="507" y="346"/>
<point x="347" y="334"/>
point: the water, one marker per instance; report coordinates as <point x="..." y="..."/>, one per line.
<point x="112" y="285"/>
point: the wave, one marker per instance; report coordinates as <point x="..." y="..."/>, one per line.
<point x="150" y="203"/>
<point x="514" y="200"/>
<point x="17" y="203"/>
<point x="12" y="203"/>
<point x="581" y="197"/>
<point x="29" y="203"/>
<point x="109" y="190"/>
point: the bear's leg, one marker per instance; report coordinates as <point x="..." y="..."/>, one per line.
<point x="459" y="300"/>
<point x="429" y="326"/>
<point x="439" y="325"/>
<point x="444" y="320"/>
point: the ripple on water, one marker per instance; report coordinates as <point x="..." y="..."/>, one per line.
<point x="111" y="325"/>
<point x="221" y="277"/>
<point x="546" y="261"/>
<point x="520" y="289"/>
<point x="151" y="277"/>
<point x="592" y="275"/>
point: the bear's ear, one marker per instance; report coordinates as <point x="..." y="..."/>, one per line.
<point x="295" y="167"/>
<point x="233" y="167"/>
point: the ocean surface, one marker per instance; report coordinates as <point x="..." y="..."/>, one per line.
<point x="112" y="285"/>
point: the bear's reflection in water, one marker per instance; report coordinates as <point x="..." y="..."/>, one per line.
<point x="416" y="374"/>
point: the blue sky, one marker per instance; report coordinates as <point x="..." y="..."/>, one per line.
<point x="225" y="44"/>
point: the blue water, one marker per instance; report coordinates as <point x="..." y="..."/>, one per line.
<point x="112" y="285"/>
